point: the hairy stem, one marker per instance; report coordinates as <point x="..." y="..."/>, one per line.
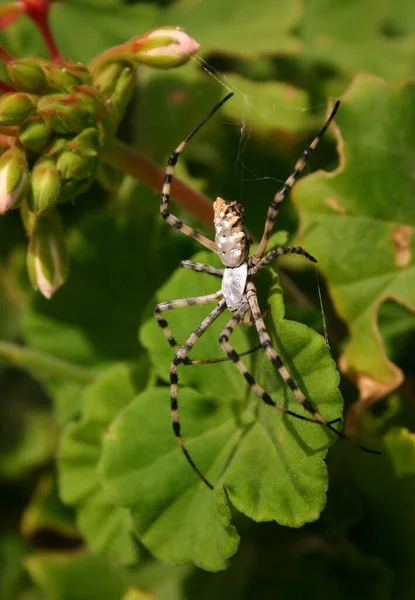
<point x="36" y="361"/>
<point x="131" y="162"/>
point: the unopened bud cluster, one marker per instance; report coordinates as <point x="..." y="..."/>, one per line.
<point x="56" y="121"/>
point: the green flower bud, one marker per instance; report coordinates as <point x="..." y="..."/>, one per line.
<point x="45" y="186"/>
<point x="27" y="217"/>
<point x="105" y="78"/>
<point x="87" y="142"/>
<point x="115" y="83"/>
<point x="163" y="48"/>
<point x="72" y="165"/>
<point x="14" y="178"/>
<point x="79" y="159"/>
<point x="56" y="147"/>
<point x="27" y="75"/>
<point x="15" y="108"/>
<point x="67" y="113"/>
<point x="63" y="76"/>
<point x="34" y="134"/>
<point x="71" y="188"/>
<point x="47" y="255"/>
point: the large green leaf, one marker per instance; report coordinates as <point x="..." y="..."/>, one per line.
<point x="359" y="222"/>
<point x="268" y="466"/>
<point x="254" y="26"/>
<point x="349" y="36"/>
<point x="79" y="576"/>
<point x="105" y="526"/>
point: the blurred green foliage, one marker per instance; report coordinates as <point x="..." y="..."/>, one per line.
<point x="97" y="500"/>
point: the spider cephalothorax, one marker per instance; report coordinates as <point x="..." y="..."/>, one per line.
<point x="238" y="292"/>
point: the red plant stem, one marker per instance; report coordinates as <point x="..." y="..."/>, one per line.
<point x="6" y="88"/>
<point x="9" y="130"/>
<point x="43" y="25"/>
<point x="131" y="162"/>
<point x="4" y="55"/>
<point x="39" y="13"/>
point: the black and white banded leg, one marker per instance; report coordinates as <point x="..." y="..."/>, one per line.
<point x="272" y="254"/>
<point x="286" y="188"/>
<point x="179" y="358"/>
<point x="236" y="358"/>
<point x="283" y="371"/>
<point x="165" y="193"/>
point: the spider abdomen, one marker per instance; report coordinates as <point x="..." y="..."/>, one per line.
<point x="234" y="284"/>
<point x="231" y="239"/>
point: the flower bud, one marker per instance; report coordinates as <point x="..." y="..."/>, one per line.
<point x="34" y="134"/>
<point x="45" y="186"/>
<point x="71" y="188"/>
<point x="28" y="218"/>
<point x="163" y="48"/>
<point x="14" y="178"/>
<point x="15" y="108"/>
<point x="62" y="77"/>
<point x="79" y="158"/>
<point x="73" y="165"/>
<point x="47" y="255"/>
<point x="115" y="82"/>
<point x="166" y="47"/>
<point x="27" y="75"/>
<point x="67" y="113"/>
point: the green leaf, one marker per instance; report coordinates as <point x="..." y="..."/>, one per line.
<point x="12" y="575"/>
<point x="269" y="466"/>
<point x="232" y="27"/>
<point x="367" y="203"/>
<point x="349" y="36"/>
<point x="80" y="576"/>
<point x="176" y="516"/>
<point x="46" y="513"/>
<point x="105" y="526"/>
<point x="266" y="106"/>
<point x="34" y="447"/>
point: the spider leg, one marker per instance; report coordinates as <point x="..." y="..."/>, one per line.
<point x="181" y="303"/>
<point x="277" y="362"/>
<point x="180" y="356"/>
<point x="236" y="358"/>
<point x="165" y="193"/>
<point x="209" y="361"/>
<point x="195" y="266"/>
<point x="269" y="256"/>
<point x="284" y="191"/>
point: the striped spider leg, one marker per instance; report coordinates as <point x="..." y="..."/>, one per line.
<point x="238" y="292"/>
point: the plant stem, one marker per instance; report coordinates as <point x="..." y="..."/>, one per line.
<point x="36" y="361"/>
<point x="131" y="162"/>
<point x="5" y="87"/>
<point x="39" y="13"/>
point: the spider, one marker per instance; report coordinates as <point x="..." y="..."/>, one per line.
<point x="238" y="293"/>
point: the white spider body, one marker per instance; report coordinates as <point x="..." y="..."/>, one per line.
<point x="234" y="284"/>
